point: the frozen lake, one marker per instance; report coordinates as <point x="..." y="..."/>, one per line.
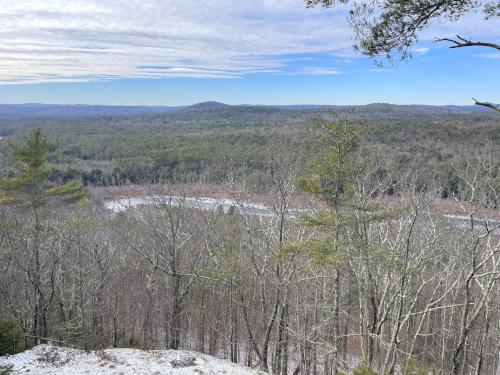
<point x="257" y="209"/>
<point x="201" y="203"/>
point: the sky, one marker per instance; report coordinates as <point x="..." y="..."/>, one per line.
<point x="179" y="52"/>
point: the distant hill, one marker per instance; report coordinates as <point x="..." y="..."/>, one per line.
<point x="216" y="111"/>
<point x="234" y="115"/>
<point x="208" y="105"/>
<point x="32" y="110"/>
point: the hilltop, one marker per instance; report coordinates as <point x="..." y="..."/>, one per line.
<point x="208" y="105"/>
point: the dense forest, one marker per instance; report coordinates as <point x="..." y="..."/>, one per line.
<point x="360" y="283"/>
<point x="208" y="141"/>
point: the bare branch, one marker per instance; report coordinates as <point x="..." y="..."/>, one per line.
<point x="460" y="42"/>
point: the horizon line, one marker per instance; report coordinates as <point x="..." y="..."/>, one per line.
<point x="234" y="105"/>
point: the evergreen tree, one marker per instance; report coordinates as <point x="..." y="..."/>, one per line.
<point x="30" y="193"/>
<point x="30" y="186"/>
<point x="332" y="180"/>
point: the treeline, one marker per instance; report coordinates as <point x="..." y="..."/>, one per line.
<point x="381" y="286"/>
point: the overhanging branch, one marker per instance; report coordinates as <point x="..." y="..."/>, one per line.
<point x="492" y="106"/>
<point x="460" y="42"/>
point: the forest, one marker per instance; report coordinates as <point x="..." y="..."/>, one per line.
<point x="247" y="239"/>
<point x="368" y="276"/>
<point x="205" y="142"/>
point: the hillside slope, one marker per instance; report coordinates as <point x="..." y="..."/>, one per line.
<point x="46" y="359"/>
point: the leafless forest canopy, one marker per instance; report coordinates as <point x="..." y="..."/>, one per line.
<point x="370" y="275"/>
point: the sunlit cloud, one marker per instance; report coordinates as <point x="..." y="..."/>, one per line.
<point x="320" y="71"/>
<point x="85" y="40"/>
<point x="421" y="50"/>
<point x="61" y="41"/>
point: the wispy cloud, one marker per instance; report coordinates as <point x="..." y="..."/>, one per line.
<point x="320" y="71"/>
<point x="61" y="41"/>
<point x="421" y="50"/>
<point x="82" y="40"/>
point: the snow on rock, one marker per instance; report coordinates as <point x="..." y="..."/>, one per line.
<point x="47" y="359"/>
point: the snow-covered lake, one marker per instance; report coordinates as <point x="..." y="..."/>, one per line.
<point x="464" y="222"/>
<point x="257" y="209"/>
<point x="201" y="203"/>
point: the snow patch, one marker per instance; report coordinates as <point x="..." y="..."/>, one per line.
<point x="47" y="359"/>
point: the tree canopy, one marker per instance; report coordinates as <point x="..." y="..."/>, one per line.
<point x="31" y="186"/>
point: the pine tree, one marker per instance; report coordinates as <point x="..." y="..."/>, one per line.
<point x="30" y="186"/>
<point x="333" y="178"/>
<point x="330" y="181"/>
<point x="30" y="194"/>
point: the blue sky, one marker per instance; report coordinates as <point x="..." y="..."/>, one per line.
<point x="168" y="52"/>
